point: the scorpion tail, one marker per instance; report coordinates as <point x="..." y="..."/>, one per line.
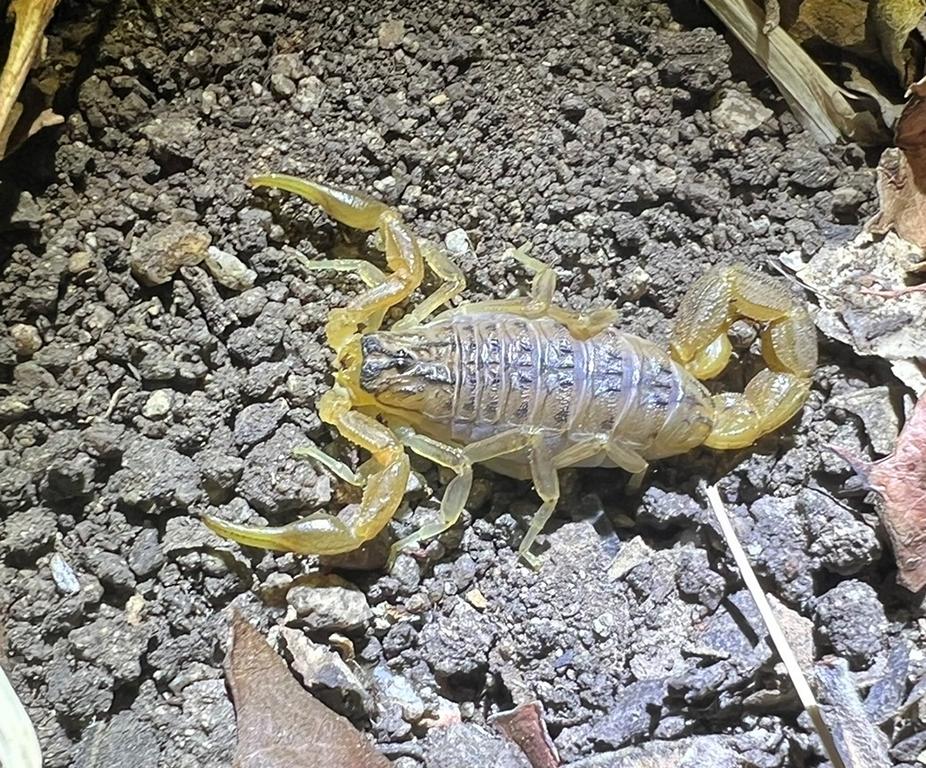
<point x="789" y="345"/>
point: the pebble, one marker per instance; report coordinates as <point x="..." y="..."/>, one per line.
<point x="229" y="270"/>
<point x="158" y="404"/>
<point x="257" y="422"/>
<point x="309" y="95"/>
<point x="145" y="556"/>
<point x="155" y="259"/>
<point x="390" y="34"/>
<point x="281" y="85"/>
<point x="26" y="339"/>
<point x="79" y="262"/>
<point x="330" y="603"/>
<point x="851" y="619"/>
<point x="63" y="575"/>
<point x="738" y="113"/>
<point x="320" y="667"/>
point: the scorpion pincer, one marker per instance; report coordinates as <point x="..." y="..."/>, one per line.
<point x="521" y="384"/>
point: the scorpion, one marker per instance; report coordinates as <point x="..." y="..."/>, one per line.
<point x="521" y="385"/>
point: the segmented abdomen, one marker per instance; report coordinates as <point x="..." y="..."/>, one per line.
<point x="516" y="372"/>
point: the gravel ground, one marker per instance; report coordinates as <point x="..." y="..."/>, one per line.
<point x="138" y="389"/>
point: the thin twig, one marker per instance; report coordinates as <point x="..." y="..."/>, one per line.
<point x="801" y="685"/>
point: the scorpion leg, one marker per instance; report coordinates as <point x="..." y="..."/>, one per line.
<point x="545" y="476"/>
<point x="789" y="346"/>
<point x="403" y="256"/>
<point x="453" y="285"/>
<point x="539" y="303"/>
<point x="324" y="534"/>
<point x="461" y="461"/>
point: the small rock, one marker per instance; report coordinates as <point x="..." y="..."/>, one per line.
<point x="257" y="422"/>
<point x="331" y="604"/>
<point x="457" y="242"/>
<point x="390" y="34"/>
<point x="28" y="532"/>
<point x="229" y="270"/>
<point x="79" y="695"/>
<point x="71" y="478"/>
<point x="459" y="643"/>
<point x="154" y="477"/>
<point x="80" y="262"/>
<point x="112" y="571"/>
<point x="839" y="541"/>
<point x="221" y="474"/>
<point x="27" y="212"/>
<point x="851" y="618"/>
<point x="846" y="203"/>
<point x="26" y="339"/>
<point x="275" y="482"/>
<point x="282" y="86"/>
<point x="738" y="113"/>
<point x="175" y="141"/>
<point x="323" y="670"/>
<point x="145" y="556"/>
<point x="810" y="169"/>
<point x="875" y="408"/>
<point x="155" y="259"/>
<point x="63" y="575"/>
<point x="124" y="739"/>
<point x="397" y="690"/>
<point x="632" y="716"/>
<point x="256" y="343"/>
<point x="263" y="378"/>
<point x="103" y="439"/>
<point x="111" y="643"/>
<point x="467" y="744"/>
<point x="663" y="509"/>
<point x="158" y="404"/>
<point x="309" y="95"/>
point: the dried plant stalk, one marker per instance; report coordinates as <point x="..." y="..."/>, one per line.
<point x="801" y="686"/>
<point x="32" y="16"/>
<point x="816" y="101"/>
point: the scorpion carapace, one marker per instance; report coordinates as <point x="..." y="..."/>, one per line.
<point x="521" y="384"/>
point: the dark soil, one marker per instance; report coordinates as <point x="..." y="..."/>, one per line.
<point x="613" y="137"/>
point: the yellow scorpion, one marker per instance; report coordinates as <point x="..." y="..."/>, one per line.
<point x="521" y="384"/>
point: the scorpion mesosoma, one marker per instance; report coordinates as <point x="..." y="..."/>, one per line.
<point x="521" y="384"/>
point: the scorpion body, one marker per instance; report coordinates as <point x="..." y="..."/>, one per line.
<point x="466" y="378"/>
<point x="522" y="384"/>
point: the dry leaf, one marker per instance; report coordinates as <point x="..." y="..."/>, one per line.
<point x="900" y="480"/>
<point x="280" y="724"/>
<point x="902" y="175"/>
<point x="902" y="195"/>
<point x="525" y="726"/>
<point x="846" y="280"/>
<point x="32" y="16"/>
<point x="890" y="22"/>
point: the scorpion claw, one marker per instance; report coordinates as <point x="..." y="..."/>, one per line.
<point x="789" y="345"/>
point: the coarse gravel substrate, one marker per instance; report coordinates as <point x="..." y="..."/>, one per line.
<point x="611" y="136"/>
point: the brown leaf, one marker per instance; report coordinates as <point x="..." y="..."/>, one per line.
<point x="525" y="726"/>
<point x="902" y="175"/>
<point x="280" y="724"/>
<point x="900" y="479"/>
